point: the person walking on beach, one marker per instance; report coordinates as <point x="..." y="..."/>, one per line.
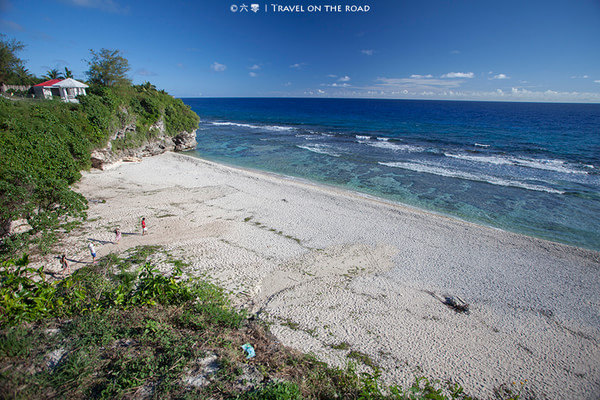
<point x="117" y="235"/>
<point x="64" y="263"/>
<point x="92" y="252"/>
<point x="144" y="230"/>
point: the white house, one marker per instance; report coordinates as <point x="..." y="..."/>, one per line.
<point x="67" y="89"/>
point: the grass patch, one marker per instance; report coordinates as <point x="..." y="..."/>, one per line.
<point x="363" y="358"/>
<point x="291" y="324"/>
<point x="273" y="230"/>
<point x="166" y="215"/>
<point x="340" y="346"/>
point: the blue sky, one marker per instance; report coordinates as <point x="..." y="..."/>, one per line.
<point x="526" y="50"/>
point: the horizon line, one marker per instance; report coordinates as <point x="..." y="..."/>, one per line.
<point x="386" y="98"/>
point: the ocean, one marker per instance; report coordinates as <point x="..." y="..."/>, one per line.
<point x="530" y="168"/>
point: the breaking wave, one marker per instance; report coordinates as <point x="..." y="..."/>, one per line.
<point x="251" y="126"/>
<point x="547" y="165"/>
<point x="393" y="146"/>
<point x="443" y="171"/>
<point x="320" y="149"/>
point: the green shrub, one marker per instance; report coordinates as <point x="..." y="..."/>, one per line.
<point x="25" y="295"/>
<point x="275" y="391"/>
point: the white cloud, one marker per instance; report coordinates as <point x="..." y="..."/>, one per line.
<point x="332" y="76"/>
<point x="344" y="79"/>
<point x="104" y="5"/>
<point x="335" y="84"/>
<point x="440" y="89"/>
<point x="145" y="72"/>
<point x="297" y="65"/>
<point x="500" y="76"/>
<point x="597" y="81"/>
<point x="287" y="84"/>
<point x="368" y="52"/>
<point x="255" y="67"/>
<point x="10" y="25"/>
<point x="458" y="75"/>
<point x="253" y="74"/>
<point x="218" y="67"/>
<point x="579" y="77"/>
<point x="519" y="91"/>
<point x="417" y="84"/>
<point x="415" y="76"/>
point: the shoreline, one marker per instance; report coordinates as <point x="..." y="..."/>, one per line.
<point x="370" y="197"/>
<point x="331" y="269"/>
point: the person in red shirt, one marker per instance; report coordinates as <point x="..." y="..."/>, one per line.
<point x="144" y="229"/>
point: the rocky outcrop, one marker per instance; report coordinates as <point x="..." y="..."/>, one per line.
<point x="185" y="141"/>
<point x="8" y="227"/>
<point x="108" y="157"/>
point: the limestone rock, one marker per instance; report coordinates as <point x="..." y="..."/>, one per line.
<point x="158" y="126"/>
<point x="185" y="141"/>
<point x="131" y="159"/>
<point x="100" y="158"/>
<point x="199" y="375"/>
<point x="53" y="358"/>
<point x="19" y="226"/>
<point x="251" y="377"/>
<point x="108" y="157"/>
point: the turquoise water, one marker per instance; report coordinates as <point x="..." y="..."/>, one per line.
<point x="531" y="168"/>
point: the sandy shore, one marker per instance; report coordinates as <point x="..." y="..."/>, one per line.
<point x="329" y="267"/>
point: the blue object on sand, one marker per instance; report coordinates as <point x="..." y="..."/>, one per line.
<point x="249" y="349"/>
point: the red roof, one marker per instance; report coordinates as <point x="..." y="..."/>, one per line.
<point x="49" y="83"/>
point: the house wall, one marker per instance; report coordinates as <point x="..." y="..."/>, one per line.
<point x="66" y="94"/>
<point x="4" y="88"/>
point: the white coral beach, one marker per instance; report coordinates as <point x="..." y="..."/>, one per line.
<point x="329" y="267"/>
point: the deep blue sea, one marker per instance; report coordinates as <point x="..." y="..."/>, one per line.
<point x="532" y="168"/>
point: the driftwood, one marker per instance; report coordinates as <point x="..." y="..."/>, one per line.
<point x="458" y="304"/>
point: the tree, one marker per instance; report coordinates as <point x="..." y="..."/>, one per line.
<point x="10" y="64"/>
<point x="24" y="77"/>
<point x="147" y="87"/>
<point x="108" y="68"/>
<point x="53" y="74"/>
<point x="68" y="73"/>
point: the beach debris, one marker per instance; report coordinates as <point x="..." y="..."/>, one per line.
<point x="249" y="350"/>
<point x="54" y="357"/>
<point x="132" y="159"/>
<point x="458" y="304"/>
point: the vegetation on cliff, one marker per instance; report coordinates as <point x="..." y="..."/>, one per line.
<point x="45" y="144"/>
